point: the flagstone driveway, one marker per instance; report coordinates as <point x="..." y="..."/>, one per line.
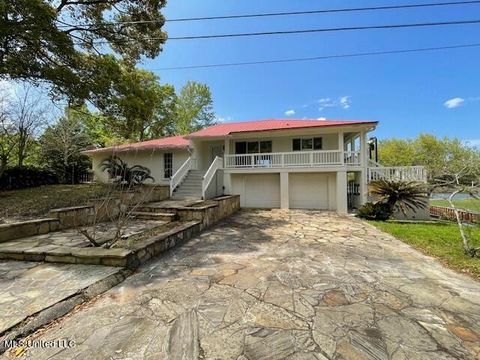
<point x="281" y="285"/>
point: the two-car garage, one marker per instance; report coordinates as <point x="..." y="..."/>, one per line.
<point x="312" y="190"/>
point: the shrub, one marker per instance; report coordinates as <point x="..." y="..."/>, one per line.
<point x="375" y="211"/>
<point x="20" y="177"/>
<point x="399" y="195"/>
<point x="121" y="173"/>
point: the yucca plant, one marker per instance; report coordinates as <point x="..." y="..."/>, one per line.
<point x="120" y="172"/>
<point x="401" y="195"/>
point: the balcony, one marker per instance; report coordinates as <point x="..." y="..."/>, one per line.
<point x="293" y="159"/>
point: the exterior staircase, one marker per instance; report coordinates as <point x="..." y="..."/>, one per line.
<point x="190" y="187"/>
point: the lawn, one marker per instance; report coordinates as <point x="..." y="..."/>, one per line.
<point x="438" y="240"/>
<point x="465" y="204"/>
<point x="33" y="202"/>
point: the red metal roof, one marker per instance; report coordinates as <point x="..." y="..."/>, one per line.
<point x="271" y="124"/>
<point x="220" y="130"/>
<point x="173" y="142"/>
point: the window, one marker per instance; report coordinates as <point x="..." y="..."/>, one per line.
<point x="167" y="165"/>
<point x="265" y="146"/>
<point x="241" y="147"/>
<point x="253" y="147"/>
<point x="307" y="144"/>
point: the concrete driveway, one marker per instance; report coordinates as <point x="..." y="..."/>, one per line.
<point x="281" y="285"/>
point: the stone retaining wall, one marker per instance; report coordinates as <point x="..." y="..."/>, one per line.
<point x="28" y="228"/>
<point x="128" y="258"/>
<point x="195" y="219"/>
<point x="209" y="215"/>
<point x="74" y="216"/>
<point x="98" y="210"/>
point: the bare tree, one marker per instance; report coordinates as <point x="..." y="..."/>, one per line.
<point x="126" y="193"/>
<point x="23" y="113"/>
<point x="7" y="130"/>
<point x="28" y="113"/>
<point x="460" y="182"/>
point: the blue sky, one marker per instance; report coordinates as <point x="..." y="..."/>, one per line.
<point x="405" y="92"/>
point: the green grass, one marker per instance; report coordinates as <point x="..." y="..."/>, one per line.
<point x="438" y="240"/>
<point x="34" y="202"/>
<point x="465" y="204"/>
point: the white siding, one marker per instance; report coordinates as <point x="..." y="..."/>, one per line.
<point x="203" y="151"/>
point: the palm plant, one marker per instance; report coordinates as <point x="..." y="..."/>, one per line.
<point x="402" y="195"/>
<point x="120" y="172"/>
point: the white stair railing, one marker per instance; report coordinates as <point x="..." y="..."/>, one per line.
<point x="180" y="174"/>
<point x="216" y="164"/>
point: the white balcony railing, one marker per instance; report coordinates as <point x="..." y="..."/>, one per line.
<point x="293" y="159"/>
<point x="397" y="173"/>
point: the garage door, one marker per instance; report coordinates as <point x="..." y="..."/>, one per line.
<point x="308" y="191"/>
<point x="257" y="191"/>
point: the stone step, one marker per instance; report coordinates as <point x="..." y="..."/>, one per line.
<point x="154" y="209"/>
<point x="153" y="216"/>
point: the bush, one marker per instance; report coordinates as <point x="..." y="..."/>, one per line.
<point x="20" y="177"/>
<point x="375" y="211"/>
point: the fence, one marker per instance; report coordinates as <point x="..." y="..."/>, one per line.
<point x="449" y="213"/>
<point x="85" y="178"/>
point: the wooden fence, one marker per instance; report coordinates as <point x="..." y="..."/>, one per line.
<point x="449" y="213"/>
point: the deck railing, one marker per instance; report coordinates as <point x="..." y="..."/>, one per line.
<point x="293" y="159"/>
<point x="397" y="173"/>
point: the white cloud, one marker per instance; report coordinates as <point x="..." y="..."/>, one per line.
<point x="223" y="119"/>
<point x="322" y="118"/>
<point x="342" y="102"/>
<point x="453" y="103"/>
<point x="290" y="112"/>
<point x="345" y="102"/>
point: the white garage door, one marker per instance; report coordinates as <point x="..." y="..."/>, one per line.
<point x="257" y="191"/>
<point x="308" y="191"/>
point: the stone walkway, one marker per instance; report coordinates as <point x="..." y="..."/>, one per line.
<point x="28" y="287"/>
<point x="281" y="285"/>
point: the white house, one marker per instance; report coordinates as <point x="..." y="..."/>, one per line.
<point x="299" y="164"/>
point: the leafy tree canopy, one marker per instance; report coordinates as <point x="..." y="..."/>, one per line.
<point x="75" y="44"/>
<point x="193" y="109"/>
<point x="137" y="107"/>
<point x="436" y="154"/>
